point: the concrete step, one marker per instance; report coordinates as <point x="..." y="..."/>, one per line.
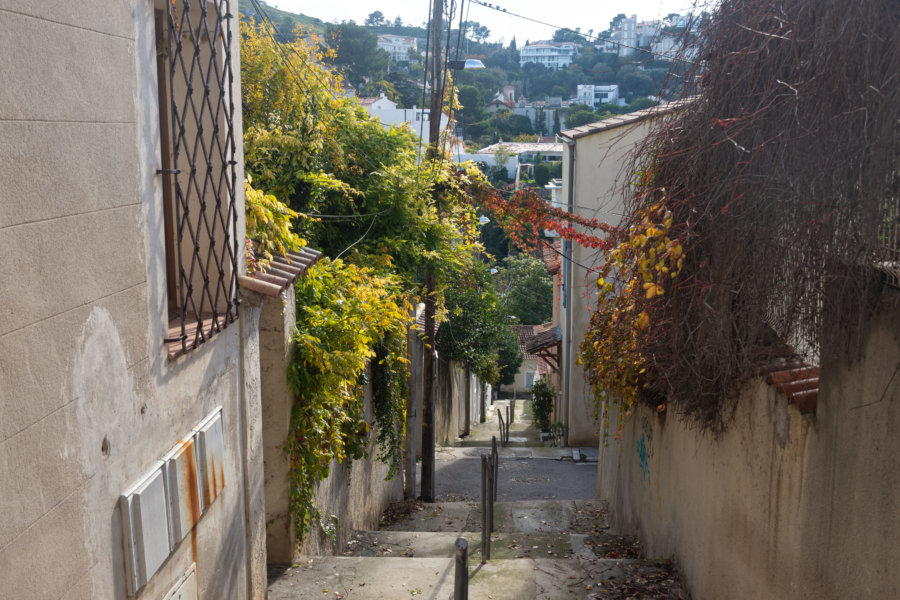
<point x="429" y="544"/>
<point x="525" y="516"/>
<point x="374" y="578"/>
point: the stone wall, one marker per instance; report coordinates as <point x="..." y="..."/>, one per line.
<point x="783" y="504"/>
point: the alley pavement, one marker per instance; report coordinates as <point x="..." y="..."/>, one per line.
<point x="551" y="539"/>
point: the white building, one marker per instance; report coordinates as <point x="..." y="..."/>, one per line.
<point x="386" y="111"/>
<point x="398" y="46"/>
<point x="553" y="55"/>
<point x="595" y="95"/>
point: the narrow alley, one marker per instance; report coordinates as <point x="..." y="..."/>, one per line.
<point x="550" y="538"/>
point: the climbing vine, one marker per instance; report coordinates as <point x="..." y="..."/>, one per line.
<point x="525" y="216"/>
<point x="344" y="312"/>
<point x="632" y="281"/>
<point x="269" y="225"/>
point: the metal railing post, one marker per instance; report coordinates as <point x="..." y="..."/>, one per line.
<point x="512" y="414"/>
<point x="461" y="579"/>
<point x="502" y="428"/>
<point x="496" y="459"/>
<point x="492" y="492"/>
<point x="507" y="423"/>
<point x="485" y="534"/>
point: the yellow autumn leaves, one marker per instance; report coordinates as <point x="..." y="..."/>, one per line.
<point x="631" y="284"/>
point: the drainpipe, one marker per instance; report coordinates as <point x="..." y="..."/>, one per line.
<point x="567" y="274"/>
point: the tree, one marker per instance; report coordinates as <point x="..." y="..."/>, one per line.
<point x="398" y="22"/>
<point x="638" y="84"/>
<point x="541" y="174"/>
<point x="580" y="114"/>
<point x="478" y="31"/>
<point x="512" y="44"/>
<point x="526" y="288"/>
<point x="356" y="51"/>
<point x="476" y="326"/>
<point x="375" y="19"/>
<point x="568" y="35"/>
<point x="472" y="104"/>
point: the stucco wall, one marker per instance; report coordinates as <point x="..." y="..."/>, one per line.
<point x="356" y="495"/>
<point x="782" y="505"/>
<point x="450" y="402"/>
<point x="89" y="399"/>
<point x="518" y="386"/>
<point x="598" y="179"/>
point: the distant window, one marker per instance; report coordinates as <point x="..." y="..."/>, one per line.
<point x="529" y="379"/>
<point x="199" y="179"/>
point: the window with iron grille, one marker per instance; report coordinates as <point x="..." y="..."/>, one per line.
<point x="199" y="178"/>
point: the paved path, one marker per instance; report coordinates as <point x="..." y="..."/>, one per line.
<point x="550" y="540"/>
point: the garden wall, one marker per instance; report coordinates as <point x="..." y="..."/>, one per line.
<point x="783" y="504"/>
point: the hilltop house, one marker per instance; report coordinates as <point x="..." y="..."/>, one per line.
<point x="595" y="95"/>
<point x="398" y="46"/>
<point x="553" y="55"/>
<point x="386" y="111"/>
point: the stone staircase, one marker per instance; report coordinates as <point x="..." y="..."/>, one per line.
<point x="541" y="549"/>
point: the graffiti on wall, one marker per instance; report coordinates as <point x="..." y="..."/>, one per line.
<point x="644" y="447"/>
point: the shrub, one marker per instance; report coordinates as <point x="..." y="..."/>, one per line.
<point x="542" y="396"/>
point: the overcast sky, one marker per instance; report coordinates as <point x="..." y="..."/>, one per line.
<point x="592" y="14"/>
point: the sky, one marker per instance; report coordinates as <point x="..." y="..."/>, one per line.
<point x="590" y="14"/>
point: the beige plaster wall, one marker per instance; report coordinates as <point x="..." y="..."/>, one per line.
<point x="450" y="402"/>
<point x="353" y="496"/>
<point x="88" y="397"/>
<point x="518" y="386"/>
<point x="782" y="505"/>
<point x="600" y="160"/>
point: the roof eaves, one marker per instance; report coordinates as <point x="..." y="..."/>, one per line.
<point x="622" y="120"/>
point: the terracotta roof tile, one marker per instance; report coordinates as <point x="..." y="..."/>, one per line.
<point x="544" y="339"/>
<point x="525" y="333"/>
<point x="800" y="384"/>
<point x="283" y="271"/>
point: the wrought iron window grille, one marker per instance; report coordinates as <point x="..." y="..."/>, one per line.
<point x="199" y="173"/>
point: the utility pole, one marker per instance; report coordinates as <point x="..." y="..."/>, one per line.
<point x="434" y="134"/>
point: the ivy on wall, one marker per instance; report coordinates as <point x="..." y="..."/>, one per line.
<point x="344" y="312"/>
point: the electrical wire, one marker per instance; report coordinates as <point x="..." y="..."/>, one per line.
<point x="359" y="240"/>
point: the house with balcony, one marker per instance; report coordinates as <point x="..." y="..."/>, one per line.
<point x="553" y="55"/>
<point x="595" y="95"/>
<point x="398" y="46"/>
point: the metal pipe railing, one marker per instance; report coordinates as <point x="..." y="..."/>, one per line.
<point x="485" y="502"/>
<point x="461" y="576"/>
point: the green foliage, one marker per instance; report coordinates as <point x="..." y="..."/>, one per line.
<point x="343" y="312"/>
<point x="362" y="194"/>
<point x="541" y="174"/>
<point x="542" y="396"/>
<point x="509" y="356"/>
<point x="269" y="225"/>
<point x="356" y="51"/>
<point x="526" y="289"/>
<point x="476" y="326"/>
